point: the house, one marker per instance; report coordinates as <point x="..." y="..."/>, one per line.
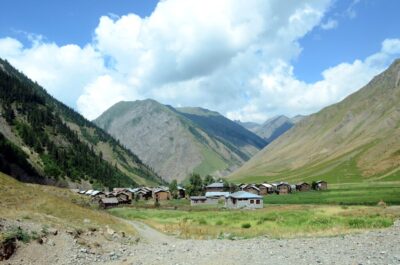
<point x="303" y="186"/>
<point x="251" y="188"/>
<point x="283" y="188"/>
<point x="322" y="185"/>
<point x="123" y="198"/>
<point x="243" y="199"/>
<point x="216" y="186"/>
<point x="142" y="193"/>
<point x="108" y="202"/>
<point x="265" y="189"/>
<point x="181" y="192"/>
<point x="198" y="200"/>
<point x="161" y="194"/>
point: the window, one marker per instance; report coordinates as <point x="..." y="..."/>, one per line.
<point x="257" y="201"/>
<point x="251" y="201"/>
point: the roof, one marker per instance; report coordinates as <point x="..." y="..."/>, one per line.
<point x="109" y="200"/>
<point x="198" y="198"/>
<point x="251" y="186"/>
<point x="244" y="195"/>
<point x="180" y="188"/>
<point x="160" y="190"/>
<point x="215" y="185"/>
<point x="283" y="183"/>
<point x="301" y="183"/>
<point x="96" y="192"/>
<point x="217" y="194"/>
<point x="266" y="185"/>
<point x="319" y="181"/>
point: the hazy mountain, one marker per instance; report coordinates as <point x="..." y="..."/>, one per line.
<point x="355" y="140"/>
<point x="44" y="141"/>
<point x="177" y="142"/>
<point x="272" y="128"/>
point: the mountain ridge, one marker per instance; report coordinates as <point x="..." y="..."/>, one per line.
<point x="179" y="141"/>
<point x="354" y="140"/>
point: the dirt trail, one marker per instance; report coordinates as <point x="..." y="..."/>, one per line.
<point x="150" y="235"/>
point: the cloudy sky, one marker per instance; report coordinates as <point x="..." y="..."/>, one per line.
<point x="249" y="60"/>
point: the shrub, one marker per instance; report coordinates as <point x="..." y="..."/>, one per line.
<point x="246" y="225"/>
<point x="202" y="221"/>
<point x="219" y="222"/>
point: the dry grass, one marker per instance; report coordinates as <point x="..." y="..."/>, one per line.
<point x="53" y="206"/>
<point x="278" y="221"/>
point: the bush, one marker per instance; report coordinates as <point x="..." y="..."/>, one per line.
<point x="202" y="221"/>
<point x="219" y="222"/>
<point x="17" y="233"/>
<point x="246" y="225"/>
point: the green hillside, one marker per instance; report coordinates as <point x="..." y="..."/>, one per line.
<point x="355" y="140"/>
<point x="46" y="142"/>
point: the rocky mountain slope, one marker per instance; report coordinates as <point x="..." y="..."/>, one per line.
<point x="272" y="128"/>
<point x="177" y="142"/>
<point x="44" y="141"/>
<point x="355" y="140"/>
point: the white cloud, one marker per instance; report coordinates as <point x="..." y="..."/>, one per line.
<point x="63" y="71"/>
<point x="229" y="55"/>
<point x="330" y="24"/>
<point x="102" y="94"/>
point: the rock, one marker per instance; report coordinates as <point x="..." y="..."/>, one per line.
<point x="7" y="248"/>
<point x="53" y="231"/>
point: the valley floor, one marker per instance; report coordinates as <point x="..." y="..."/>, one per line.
<point x="369" y="247"/>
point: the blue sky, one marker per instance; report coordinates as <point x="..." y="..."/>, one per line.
<point x="260" y="59"/>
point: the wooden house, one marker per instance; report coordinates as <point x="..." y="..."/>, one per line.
<point x="123" y="198"/>
<point x="216" y="186"/>
<point x="283" y="188"/>
<point x="322" y="185"/>
<point x="161" y="194"/>
<point x="243" y="199"/>
<point x="251" y="188"/>
<point x="265" y="189"/>
<point x="181" y="192"/>
<point x="303" y="186"/>
<point x="108" y="202"/>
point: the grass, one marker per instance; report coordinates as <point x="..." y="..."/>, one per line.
<point x="52" y="206"/>
<point x="344" y="194"/>
<point x="274" y="220"/>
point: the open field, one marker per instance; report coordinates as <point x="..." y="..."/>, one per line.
<point x="274" y="221"/>
<point x="344" y="194"/>
<point x="52" y="206"/>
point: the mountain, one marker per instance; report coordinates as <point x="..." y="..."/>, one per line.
<point x="355" y="140"/>
<point x="177" y="142"/>
<point x="272" y="128"/>
<point x="44" y="141"/>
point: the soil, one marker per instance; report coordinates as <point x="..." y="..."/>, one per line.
<point x="153" y="247"/>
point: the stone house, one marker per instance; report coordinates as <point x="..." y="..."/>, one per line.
<point x="243" y="199"/>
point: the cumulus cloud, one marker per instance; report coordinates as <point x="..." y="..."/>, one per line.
<point x="231" y="56"/>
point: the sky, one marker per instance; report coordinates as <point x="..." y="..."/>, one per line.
<point x="249" y="60"/>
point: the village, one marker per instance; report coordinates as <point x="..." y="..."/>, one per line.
<point x="242" y="196"/>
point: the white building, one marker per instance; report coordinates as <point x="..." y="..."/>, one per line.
<point x="243" y="199"/>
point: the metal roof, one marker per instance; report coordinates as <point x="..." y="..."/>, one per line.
<point x="215" y="185"/>
<point x="198" y="198"/>
<point x="110" y="200"/>
<point x="217" y="194"/>
<point x="244" y="195"/>
<point x="266" y="185"/>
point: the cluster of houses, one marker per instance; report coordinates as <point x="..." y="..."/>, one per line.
<point x="246" y="195"/>
<point x="125" y="195"/>
<point x="250" y="195"/>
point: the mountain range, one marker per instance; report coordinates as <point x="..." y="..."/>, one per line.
<point x="179" y="141"/>
<point x="273" y="127"/>
<point x="44" y="141"/>
<point x="357" y="139"/>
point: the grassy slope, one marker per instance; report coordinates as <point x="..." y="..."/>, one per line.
<point x="113" y="152"/>
<point x="52" y="206"/>
<point x="353" y="141"/>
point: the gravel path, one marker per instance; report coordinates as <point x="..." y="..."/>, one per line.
<point x="374" y="247"/>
